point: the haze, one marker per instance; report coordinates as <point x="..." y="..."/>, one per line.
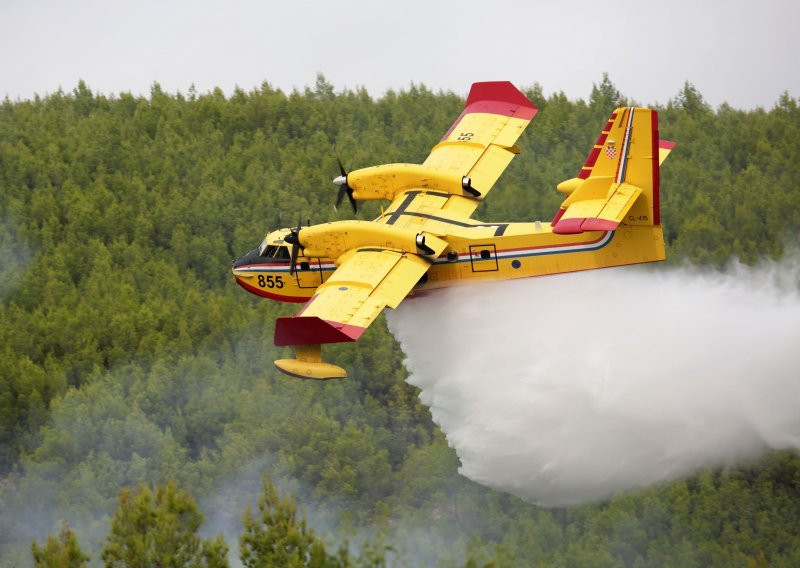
<point x="739" y="52"/>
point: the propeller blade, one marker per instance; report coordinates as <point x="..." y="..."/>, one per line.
<point x="352" y="200"/>
<point x="295" y="249"/>
<point x="294" y="238"/>
<point x="340" y="195"/>
<point x="341" y="181"/>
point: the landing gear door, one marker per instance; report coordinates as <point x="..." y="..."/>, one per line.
<point x="483" y="258"/>
<point x="308" y="273"/>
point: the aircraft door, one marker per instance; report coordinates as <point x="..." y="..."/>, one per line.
<point x="483" y="258"/>
<point x="308" y="273"/>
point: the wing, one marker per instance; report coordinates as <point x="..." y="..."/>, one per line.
<point x="367" y="280"/>
<point x="479" y="145"/>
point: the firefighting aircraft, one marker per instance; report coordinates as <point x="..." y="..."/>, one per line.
<point x="346" y="272"/>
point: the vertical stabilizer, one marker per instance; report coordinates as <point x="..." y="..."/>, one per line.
<point x="619" y="181"/>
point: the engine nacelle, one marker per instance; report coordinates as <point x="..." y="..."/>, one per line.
<point x="386" y="181"/>
<point x="331" y="240"/>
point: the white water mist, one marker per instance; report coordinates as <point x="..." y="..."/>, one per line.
<point x="570" y="388"/>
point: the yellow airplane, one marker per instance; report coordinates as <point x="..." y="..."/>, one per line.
<point x="346" y="272"/>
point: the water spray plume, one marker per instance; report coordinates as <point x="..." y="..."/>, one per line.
<point x="572" y="388"/>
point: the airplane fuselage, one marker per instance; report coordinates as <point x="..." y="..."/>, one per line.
<point x="477" y="253"/>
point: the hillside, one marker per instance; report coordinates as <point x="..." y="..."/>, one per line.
<point x="130" y="357"/>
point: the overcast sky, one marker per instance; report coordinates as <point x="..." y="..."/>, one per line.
<point x="742" y="52"/>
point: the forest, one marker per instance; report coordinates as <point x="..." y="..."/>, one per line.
<point x="136" y="378"/>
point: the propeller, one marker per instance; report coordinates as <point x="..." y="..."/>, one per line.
<point x="341" y="181"/>
<point x="293" y="238"/>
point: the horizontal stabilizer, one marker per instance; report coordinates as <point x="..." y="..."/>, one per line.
<point x="596" y="214"/>
<point x="664" y="148"/>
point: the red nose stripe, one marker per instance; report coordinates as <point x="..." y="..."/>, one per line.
<point x="270" y="295"/>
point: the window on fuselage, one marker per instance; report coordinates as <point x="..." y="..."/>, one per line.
<point x="276" y="252"/>
<point x="262" y="248"/>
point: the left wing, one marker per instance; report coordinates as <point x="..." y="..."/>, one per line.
<point x="478" y="147"/>
<point x="481" y="142"/>
<point x="368" y="279"/>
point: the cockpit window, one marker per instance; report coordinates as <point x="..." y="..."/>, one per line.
<point x="276" y="252"/>
<point x="262" y="247"/>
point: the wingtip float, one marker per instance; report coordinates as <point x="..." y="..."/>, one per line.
<point x="347" y="272"/>
<point x="308" y="364"/>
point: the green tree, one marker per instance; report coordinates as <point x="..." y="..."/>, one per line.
<point x="279" y="536"/>
<point x="160" y="529"/>
<point x="604" y="97"/>
<point x="61" y="552"/>
<point x="690" y="100"/>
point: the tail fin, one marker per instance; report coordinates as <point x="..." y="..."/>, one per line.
<point x="619" y="181"/>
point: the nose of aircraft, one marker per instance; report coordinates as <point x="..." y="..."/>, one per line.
<point x="248" y="259"/>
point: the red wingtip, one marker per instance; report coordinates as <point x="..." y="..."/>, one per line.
<point x="666" y="144"/>
<point x="311" y="330"/>
<point x="503" y="91"/>
<point x="500" y="97"/>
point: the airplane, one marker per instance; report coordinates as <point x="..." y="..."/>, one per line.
<point x="346" y="272"/>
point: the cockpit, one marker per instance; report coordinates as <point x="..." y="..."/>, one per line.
<point x="273" y="251"/>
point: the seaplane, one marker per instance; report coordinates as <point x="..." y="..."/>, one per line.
<point x="346" y="272"/>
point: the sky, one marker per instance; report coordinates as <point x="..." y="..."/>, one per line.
<point x="739" y="52"/>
